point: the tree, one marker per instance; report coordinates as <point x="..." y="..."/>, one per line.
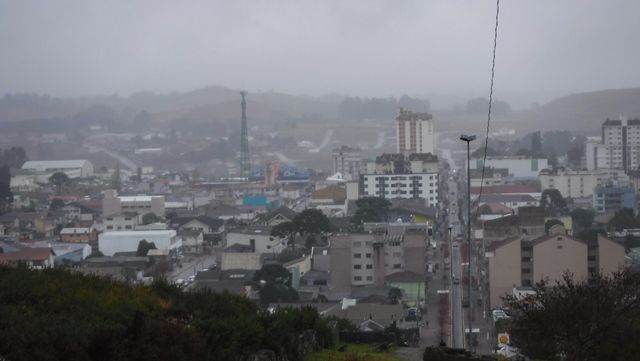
<point x="6" y="196"/>
<point x="115" y="179"/>
<point x="553" y="203"/>
<point x="624" y="219"/>
<point x="311" y="221"/>
<point x="536" y="144"/>
<point x="395" y="295"/>
<point x="149" y="218"/>
<point x="371" y="209"/>
<point x="274" y="283"/>
<point x="14" y="157"/>
<point x="287" y="230"/>
<point x="550" y="223"/>
<point x="59" y="179"/>
<point x="579" y="320"/>
<point x="144" y="247"/>
<point x="582" y="219"/>
<point x="574" y="156"/>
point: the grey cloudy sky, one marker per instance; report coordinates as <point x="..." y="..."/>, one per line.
<point x="351" y="47"/>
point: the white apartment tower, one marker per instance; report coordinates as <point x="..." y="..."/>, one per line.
<point x="619" y="147"/>
<point x="414" y="132"/>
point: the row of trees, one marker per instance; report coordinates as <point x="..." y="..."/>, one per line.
<point x="380" y="108"/>
<point x="62" y="315"/>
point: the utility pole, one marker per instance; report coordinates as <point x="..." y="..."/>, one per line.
<point x="245" y="158"/>
<point x="469" y="139"/>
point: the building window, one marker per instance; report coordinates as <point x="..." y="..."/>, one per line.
<point x="369" y="266"/>
<point x="369" y="278"/>
<point x="526" y="259"/>
<point x="526" y="270"/>
<point x="109" y="227"/>
<point x="368" y="255"/>
<point x="357" y="255"/>
<point x="357" y="244"/>
<point x="357" y="266"/>
<point x="397" y="266"/>
<point x="591" y="258"/>
<point x="357" y="278"/>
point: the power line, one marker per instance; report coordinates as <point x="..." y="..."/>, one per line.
<point x="493" y="72"/>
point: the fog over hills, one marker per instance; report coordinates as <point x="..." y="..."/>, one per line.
<point x="584" y="111"/>
<point x="215" y="104"/>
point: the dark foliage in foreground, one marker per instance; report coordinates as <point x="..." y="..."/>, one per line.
<point x="580" y="321"/>
<point x="61" y="315"/>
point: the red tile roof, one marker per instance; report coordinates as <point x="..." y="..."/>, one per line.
<point x="26" y="254"/>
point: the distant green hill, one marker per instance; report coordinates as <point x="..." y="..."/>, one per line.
<point x="583" y="111"/>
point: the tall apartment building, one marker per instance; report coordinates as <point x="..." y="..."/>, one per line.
<point x="347" y="161"/>
<point x="579" y="183"/>
<point x="398" y="176"/>
<point x="414" y="132"/>
<point x="619" y="147"/>
<point x="518" y="262"/>
<point x="612" y="198"/>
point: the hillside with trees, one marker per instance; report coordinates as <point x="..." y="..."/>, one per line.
<point x="62" y="315"/>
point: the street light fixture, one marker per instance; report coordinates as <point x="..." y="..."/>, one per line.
<point x="469" y="138"/>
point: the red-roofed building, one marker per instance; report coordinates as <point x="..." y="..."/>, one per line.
<point x="29" y="257"/>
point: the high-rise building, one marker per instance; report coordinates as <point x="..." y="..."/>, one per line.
<point x="347" y="161"/>
<point x="619" y="147"/>
<point x="414" y="132"/>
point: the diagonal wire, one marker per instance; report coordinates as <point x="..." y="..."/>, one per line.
<point x="493" y="72"/>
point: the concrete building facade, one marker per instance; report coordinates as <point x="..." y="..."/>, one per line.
<point x="612" y="198"/>
<point x="619" y="147"/>
<point x="114" y="204"/>
<point x="579" y="183"/>
<point x="517" y="262"/>
<point x="519" y="167"/>
<point x="347" y="161"/>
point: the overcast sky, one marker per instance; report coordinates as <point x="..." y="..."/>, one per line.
<point x="372" y="48"/>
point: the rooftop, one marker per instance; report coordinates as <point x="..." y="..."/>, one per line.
<point x="60" y="164"/>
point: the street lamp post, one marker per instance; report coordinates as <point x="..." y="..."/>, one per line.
<point x="469" y="138"/>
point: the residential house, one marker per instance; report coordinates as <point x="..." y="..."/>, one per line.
<point x="122" y="268"/>
<point x="212" y="228"/>
<point x="192" y="240"/>
<point x="78" y="235"/>
<point x="258" y="238"/>
<point x="37" y="258"/>
<point x="276" y="216"/>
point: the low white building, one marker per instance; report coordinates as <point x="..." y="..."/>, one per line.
<point x="114" y="204"/>
<point x="110" y="243"/>
<point x="519" y="166"/>
<point x="72" y="168"/>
